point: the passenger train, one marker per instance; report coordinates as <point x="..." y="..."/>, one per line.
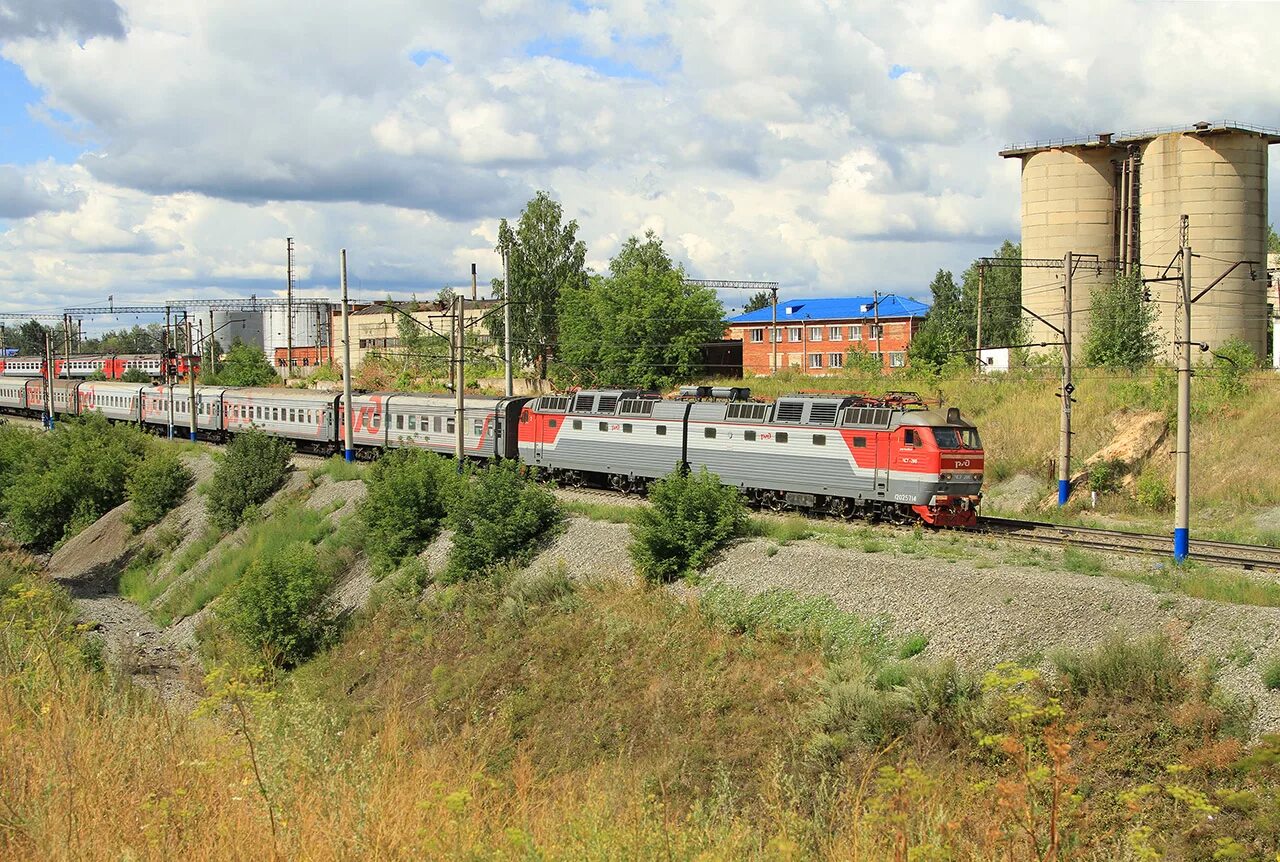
<point x="113" y="367"/>
<point x="883" y="458"/>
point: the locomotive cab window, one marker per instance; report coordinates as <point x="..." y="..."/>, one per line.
<point x="911" y="438"/>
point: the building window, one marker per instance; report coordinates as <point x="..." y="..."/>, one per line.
<point x="855" y="332"/>
<point x="835" y="360"/>
<point x="793" y="333"/>
<point x="815" y="360"/>
<point x="897" y="359"/>
<point x="815" y="333"/>
<point x="777" y="336"/>
<point x="757" y="336"/>
<point x="834" y="333"/>
<point x="876" y="331"/>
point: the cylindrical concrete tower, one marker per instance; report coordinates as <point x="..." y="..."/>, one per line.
<point x="1068" y="204"/>
<point x="1219" y="179"/>
<point x="233" y="323"/>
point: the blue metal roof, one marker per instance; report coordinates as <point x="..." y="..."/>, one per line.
<point x="836" y="308"/>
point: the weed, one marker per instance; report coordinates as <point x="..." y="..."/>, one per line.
<point x="613" y="513"/>
<point x="1271" y="674"/>
<point x="814" y="621"/>
<point x="1124" y="669"/>
<point x="1082" y="562"/>
<point x="913" y="645"/>
<point x="338" y="469"/>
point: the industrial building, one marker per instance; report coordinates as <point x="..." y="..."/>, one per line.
<point x="814" y="335"/>
<point x="1120" y="197"/>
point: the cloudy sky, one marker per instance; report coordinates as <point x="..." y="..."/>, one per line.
<point x="156" y="149"/>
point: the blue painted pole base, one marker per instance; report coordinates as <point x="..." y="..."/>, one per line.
<point x="349" y="454"/>
<point x="1064" y="491"/>
<point x="193" y="436"/>
<point x="1181" y="544"/>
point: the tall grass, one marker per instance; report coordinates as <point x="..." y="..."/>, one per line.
<point x="338" y="469"/>
<point x="282" y="527"/>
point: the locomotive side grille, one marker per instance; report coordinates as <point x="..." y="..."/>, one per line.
<point x="822" y="414"/>
<point x="750" y="412"/>
<point x="789" y="411"/>
<point x="637" y="407"/>
<point x="583" y="403"/>
<point x="607" y="403"/>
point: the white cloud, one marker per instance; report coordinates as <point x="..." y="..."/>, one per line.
<point x="762" y="140"/>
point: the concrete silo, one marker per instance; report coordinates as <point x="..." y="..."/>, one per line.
<point x="1218" y="178"/>
<point x="1067" y="205"/>
<point x="1121" y="197"/>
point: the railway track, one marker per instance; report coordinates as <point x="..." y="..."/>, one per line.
<point x="1251" y="557"/>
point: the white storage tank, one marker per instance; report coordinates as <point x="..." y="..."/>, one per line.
<point x="230" y="324"/>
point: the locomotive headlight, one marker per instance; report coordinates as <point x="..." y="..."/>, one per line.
<point x="946" y="477"/>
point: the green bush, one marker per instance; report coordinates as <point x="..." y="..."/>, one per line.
<point x="280" y="605"/>
<point x="689" y="517"/>
<point x="135" y="375"/>
<point x="1271" y="674"/>
<point x="253" y="467"/>
<point x="498" y="516"/>
<point x="409" y="495"/>
<point x="1144" y="668"/>
<point x="1104" y="476"/>
<point x="156" y="486"/>
<point x="69" y="478"/>
<point x="1232" y="361"/>
<point x="1153" y="492"/>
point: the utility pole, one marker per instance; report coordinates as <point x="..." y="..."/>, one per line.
<point x="460" y="382"/>
<point x="508" y="371"/>
<point x="48" y="380"/>
<point x="473" y="283"/>
<point x="982" y="278"/>
<point x="191" y="379"/>
<point x="348" y="448"/>
<point x="66" y="340"/>
<point x="288" y="308"/>
<point x="1182" y="479"/>
<point x="875" y="311"/>
<point x="213" y="364"/>
<point x="1064" y="441"/>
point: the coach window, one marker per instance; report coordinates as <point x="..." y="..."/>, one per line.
<point x="781" y="437"/>
<point x="911" y="438"/>
<point x="399" y="423"/>
<point x="709" y="433"/>
<point x="626" y="428"/>
<point x="661" y="430"/>
<point x="819" y="439"/>
<point x="448" y="425"/>
<point x="748" y="435"/>
<point x="577" y="424"/>
<point x="859" y="442"/>
<point x="477" y="428"/>
<point x="438" y="420"/>
<point x="376" y="421"/>
<point x="413" y="422"/>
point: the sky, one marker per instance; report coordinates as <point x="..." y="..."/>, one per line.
<point x="156" y="150"/>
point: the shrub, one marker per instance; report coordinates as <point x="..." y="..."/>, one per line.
<point x="689" y="517"/>
<point x="1271" y="674"/>
<point x="498" y="516"/>
<point x="72" y="477"/>
<point x="135" y="375"/>
<point x="913" y="645"/>
<point x="280" y="605"/>
<point x="155" y="487"/>
<point x="409" y="493"/>
<point x="1233" y="359"/>
<point x="1104" y="476"/>
<point x="253" y="467"/>
<point x="1146" y="668"/>
<point x="1153" y="492"/>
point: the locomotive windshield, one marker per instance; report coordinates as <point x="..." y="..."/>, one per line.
<point x="957" y="438"/>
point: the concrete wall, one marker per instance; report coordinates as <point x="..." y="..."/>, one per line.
<point x="1068" y="204"/>
<point x="1220" y="182"/>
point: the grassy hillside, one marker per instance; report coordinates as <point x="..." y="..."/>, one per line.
<point x="526" y="717"/>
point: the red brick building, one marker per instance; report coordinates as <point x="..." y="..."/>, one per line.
<point x="816" y="334"/>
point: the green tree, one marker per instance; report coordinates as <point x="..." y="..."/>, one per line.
<point x="1273" y="240"/>
<point x="1002" y="322"/>
<point x="689" y="517"/>
<point x="244" y="365"/>
<point x="498" y="516"/>
<point x="409" y="494"/>
<point x="280" y="605"/>
<point x="760" y="299"/>
<point x="943" y="338"/>
<point x="28" y="337"/>
<point x="1122" y="326"/>
<point x="156" y="486"/>
<point x="545" y="258"/>
<point x="253" y="466"/>
<point x="642" y="325"/>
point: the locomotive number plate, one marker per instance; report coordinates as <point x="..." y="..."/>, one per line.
<point x="801" y="499"/>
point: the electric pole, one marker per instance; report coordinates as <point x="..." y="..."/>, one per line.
<point x="875" y="311"/>
<point x="774" y="333"/>
<point x="191" y="379"/>
<point x="1064" y="442"/>
<point x="348" y="448"/>
<point x="66" y="339"/>
<point x="460" y="381"/>
<point x="1182" y="480"/>
<point x="982" y="277"/>
<point x="288" y="305"/>
<point x="48" y="380"/>
<point x="508" y="372"/>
